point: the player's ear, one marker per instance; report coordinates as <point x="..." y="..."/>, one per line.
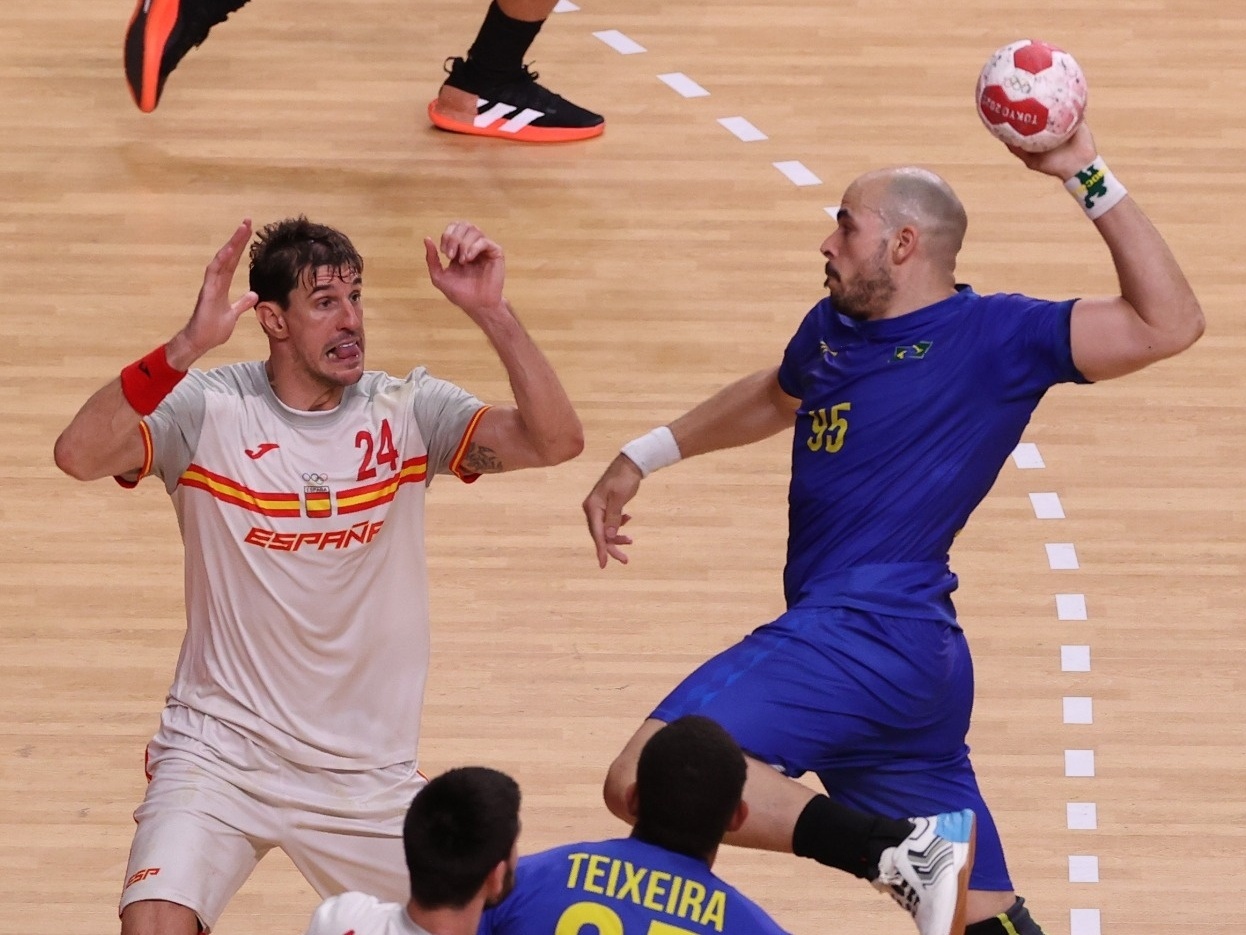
<point x="738" y="817"/>
<point x="903" y="243"/>
<point x="272" y="318"/>
<point x="630" y="800"/>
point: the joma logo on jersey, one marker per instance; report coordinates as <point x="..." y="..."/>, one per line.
<point x="912" y="351"/>
<point x="293" y="541"/>
<point x="826" y="350"/>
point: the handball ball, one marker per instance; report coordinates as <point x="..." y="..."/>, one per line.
<point x="1031" y="95"/>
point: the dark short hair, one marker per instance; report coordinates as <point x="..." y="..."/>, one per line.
<point x="689" y="781"/>
<point x="459" y="827"/>
<point x="285" y="253"/>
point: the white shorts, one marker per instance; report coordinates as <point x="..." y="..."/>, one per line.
<point x="217" y="802"/>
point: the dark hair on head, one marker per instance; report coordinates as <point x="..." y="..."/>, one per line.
<point x="286" y="253"/>
<point x="689" y="781"/>
<point x="460" y="826"/>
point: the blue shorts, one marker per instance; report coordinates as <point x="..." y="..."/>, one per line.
<point x="876" y="706"/>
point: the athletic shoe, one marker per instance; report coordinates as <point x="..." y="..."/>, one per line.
<point x="516" y="109"/>
<point x="928" y="872"/>
<point x="160" y="34"/>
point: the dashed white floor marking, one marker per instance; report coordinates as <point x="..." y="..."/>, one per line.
<point x="1061" y="556"/>
<point x="1078" y="711"/>
<point x="1083" y="868"/>
<point x="1047" y="506"/>
<point x="1079" y="763"/>
<point x="1074" y="658"/>
<point x="681" y="84"/>
<point x="619" y="42"/>
<point x="1071" y="606"/>
<point x="1026" y="456"/>
<point x="797" y="174"/>
<point x="1083" y="816"/>
<point x="1084" y="922"/>
<point x="742" y="129"/>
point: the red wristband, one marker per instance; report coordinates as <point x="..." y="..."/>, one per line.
<point x="149" y="380"/>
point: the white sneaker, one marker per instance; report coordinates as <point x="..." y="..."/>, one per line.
<point x="928" y="872"/>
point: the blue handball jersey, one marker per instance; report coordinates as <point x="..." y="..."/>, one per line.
<point x="902" y="428"/>
<point x="622" y="887"/>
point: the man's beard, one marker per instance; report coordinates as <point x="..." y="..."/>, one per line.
<point x="508" y="884"/>
<point x="869" y="294"/>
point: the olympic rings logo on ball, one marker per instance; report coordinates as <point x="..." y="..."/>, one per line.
<point x="1015" y="82"/>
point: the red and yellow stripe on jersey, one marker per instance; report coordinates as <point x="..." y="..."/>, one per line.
<point x="364" y="498"/>
<point x="230" y="491"/>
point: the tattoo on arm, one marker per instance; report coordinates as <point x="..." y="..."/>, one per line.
<point x="481" y="460"/>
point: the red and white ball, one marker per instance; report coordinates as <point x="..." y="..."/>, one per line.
<point x="1031" y="95"/>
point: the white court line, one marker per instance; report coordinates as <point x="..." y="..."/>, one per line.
<point x="1083" y="869"/>
<point x="1061" y="556"/>
<point x="1047" y="506"/>
<point x="797" y="174"/>
<point x="1083" y="816"/>
<point x="1071" y="606"/>
<point x="1026" y="456"/>
<point x="619" y="42"/>
<point x="1074" y="658"/>
<point x="832" y="210"/>
<point x="1079" y="762"/>
<point x="565" y="6"/>
<point x="681" y="84"/>
<point x="1078" y="711"/>
<point x="1084" y="922"/>
<point x="742" y="129"/>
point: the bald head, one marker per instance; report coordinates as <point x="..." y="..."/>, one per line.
<point x="912" y="196"/>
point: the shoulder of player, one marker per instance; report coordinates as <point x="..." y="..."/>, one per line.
<point x="344" y="909"/>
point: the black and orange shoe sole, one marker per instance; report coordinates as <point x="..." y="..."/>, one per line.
<point x="524" y="134"/>
<point x="146" y="40"/>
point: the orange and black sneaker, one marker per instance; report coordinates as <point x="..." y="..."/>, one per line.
<point x="515" y="108"/>
<point x="160" y="34"/>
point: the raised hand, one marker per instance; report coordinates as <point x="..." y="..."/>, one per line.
<point x="1067" y="159"/>
<point x="214" y="317"/>
<point x="473" y="277"/>
<point x="603" y="508"/>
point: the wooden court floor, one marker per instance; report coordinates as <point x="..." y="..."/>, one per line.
<point x="653" y="265"/>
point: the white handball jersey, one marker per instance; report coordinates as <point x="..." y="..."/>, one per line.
<point x="359" y="914"/>
<point x="306" y="584"/>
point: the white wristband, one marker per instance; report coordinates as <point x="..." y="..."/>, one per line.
<point x="1096" y="189"/>
<point x="657" y="449"/>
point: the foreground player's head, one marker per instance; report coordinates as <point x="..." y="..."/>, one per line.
<point x="689" y="784"/>
<point x="309" y="279"/>
<point x="899" y="231"/>
<point x="460" y="836"/>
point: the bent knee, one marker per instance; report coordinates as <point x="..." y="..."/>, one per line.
<point x="159" y="917"/>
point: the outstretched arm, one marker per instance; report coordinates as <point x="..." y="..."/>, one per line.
<point x="1156" y="314"/>
<point x="103" y="439"/>
<point x="746" y="411"/>
<point x="542" y="428"/>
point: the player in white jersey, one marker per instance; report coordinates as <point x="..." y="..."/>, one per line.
<point x="299" y="482"/>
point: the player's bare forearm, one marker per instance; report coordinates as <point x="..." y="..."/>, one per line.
<point x="103" y="438"/>
<point x="742" y="412"/>
<point x="543" y="429"/>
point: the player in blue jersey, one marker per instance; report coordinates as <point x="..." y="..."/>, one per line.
<point x="906" y="392"/>
<point x="460" y="837"/>
<point x="686" y="794"/>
